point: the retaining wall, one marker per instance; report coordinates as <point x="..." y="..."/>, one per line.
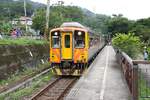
<point x="13" y="58"/>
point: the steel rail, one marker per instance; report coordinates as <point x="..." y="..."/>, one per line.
<point x="55" y="90"/>
<point x="28" y="81"/>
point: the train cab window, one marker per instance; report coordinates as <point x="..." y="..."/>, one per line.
<point x="79" y="37"/>
<point x="67" y="41"/>
<point x="55" y="36"/>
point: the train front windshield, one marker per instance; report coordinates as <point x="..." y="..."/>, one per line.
<point x="79" y="37"/>
<point x="55" y="42"/>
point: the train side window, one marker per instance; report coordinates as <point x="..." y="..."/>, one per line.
<point x="55" y="40"/>
<point x="91" y="42"/>
<point x="67" y="41"/>
<point x="79" y="38"/>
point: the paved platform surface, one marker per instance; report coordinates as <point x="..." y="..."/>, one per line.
<point x="103" y="81"/>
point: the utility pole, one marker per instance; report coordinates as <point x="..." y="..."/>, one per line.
<point x="47" y="19"/>
<point x="9" y="13"/>
<point x="25" y="14"/>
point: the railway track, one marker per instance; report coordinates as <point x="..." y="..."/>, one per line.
<point x="55" y="90"/>
<point x="24" y="82"/>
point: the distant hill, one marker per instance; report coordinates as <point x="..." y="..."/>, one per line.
<point x="88" y="12"/>
<point x="36" y="5"/>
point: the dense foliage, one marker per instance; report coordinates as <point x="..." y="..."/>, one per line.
<point x="120" y="24"/>
<point x="97" y="22"/>
<point x="60" y="14"/>
<point x="142" y="29"/>
<point x="10" y="9"/>
<point x="5" y="27"/>
<point x="129" y="43"/>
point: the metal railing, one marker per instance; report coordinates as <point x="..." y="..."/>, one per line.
<point x="137" y="76"/>
<point x="144" y="81"/>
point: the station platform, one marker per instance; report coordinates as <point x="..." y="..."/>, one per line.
<point x="104" y="80"/>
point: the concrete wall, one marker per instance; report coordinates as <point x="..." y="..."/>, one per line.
<point x="14" y="58"/>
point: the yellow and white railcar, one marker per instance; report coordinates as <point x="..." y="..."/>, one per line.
<point x="72" y="46"/>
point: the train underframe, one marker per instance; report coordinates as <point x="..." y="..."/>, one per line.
<point x="69" y="68"/>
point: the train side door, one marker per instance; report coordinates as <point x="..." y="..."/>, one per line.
<point x="66" y="49"/>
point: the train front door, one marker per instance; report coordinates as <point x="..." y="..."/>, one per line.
<point x="66" y="49"/>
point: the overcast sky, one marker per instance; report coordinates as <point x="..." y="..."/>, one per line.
<point x="132" y="9"/>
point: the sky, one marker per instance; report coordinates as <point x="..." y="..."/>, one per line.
<point x="132" y="9"/>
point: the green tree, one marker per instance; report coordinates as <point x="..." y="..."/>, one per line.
<point x="141" y="28"/>
<point x="10" y="9"/>
<point x="98" y="22"/>
<point x="119" y="24"/>
<point x="39" y="20"/>
<point x="5" y="27"/>
<point x="58" y="15"/>
<point x="129" y="43"/>
<point x="69" y="13"/>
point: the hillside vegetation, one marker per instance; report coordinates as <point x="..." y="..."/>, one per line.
<point x="108" y="25"/>
<point x="60" y="14"/>
<point x="10" y="9"/>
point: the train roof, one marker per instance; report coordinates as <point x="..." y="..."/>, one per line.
<point x="68" y="29"/>
<point x="69" y="26"/>
<point x="76" y="25"/>
<point x="72" y="24"/>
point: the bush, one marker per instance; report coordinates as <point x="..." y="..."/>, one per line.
<point x="5" y="27"/>
<point x="128" y="43"/>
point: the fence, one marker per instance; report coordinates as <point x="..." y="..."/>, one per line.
<point x="144" y="81"/>
<point x="136" y="74"/>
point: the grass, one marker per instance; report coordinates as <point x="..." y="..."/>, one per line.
<point x="21" y="93"/>
<point x="19" y="75"/>
<point x="144" y="89"/>
<point x="21" y="41"/>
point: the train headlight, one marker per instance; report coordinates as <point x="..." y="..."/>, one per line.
<point x="79" y="33"/>
<point x="55" y="33"/>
